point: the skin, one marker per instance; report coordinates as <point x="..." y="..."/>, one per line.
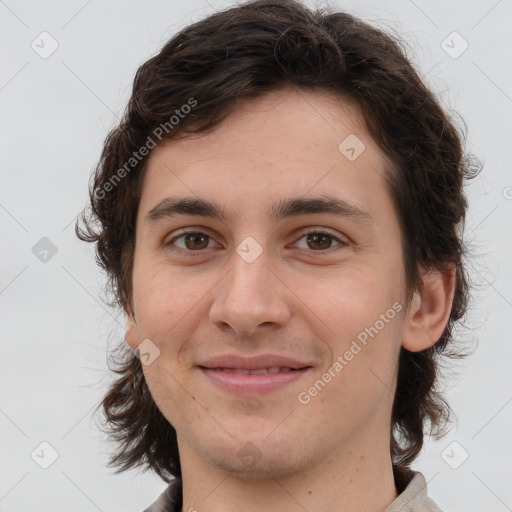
<point x="333" y="452"/>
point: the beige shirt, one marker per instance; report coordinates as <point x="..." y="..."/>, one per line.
<point x="413" y="499"/>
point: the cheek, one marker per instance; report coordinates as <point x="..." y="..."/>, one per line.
<point x="165" y="297"/>
<point x="360" y="378"/>
<point x="363" y="314"/>
<point x="347" y="300"/>
<point x="166" y="389"/>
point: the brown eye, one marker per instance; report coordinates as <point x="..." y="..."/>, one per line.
<point x="196" y="241"/>
<point x="191" y="241"/>
<point x="319" y="240"/>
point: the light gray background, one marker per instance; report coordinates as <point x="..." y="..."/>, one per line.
<point x="54" y="116"/>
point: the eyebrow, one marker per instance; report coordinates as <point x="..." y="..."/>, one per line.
<point x="284" y="208"/>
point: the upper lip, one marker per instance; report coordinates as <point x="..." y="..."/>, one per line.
<point x="252" y="363"/>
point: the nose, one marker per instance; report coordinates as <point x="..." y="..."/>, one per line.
<point x="250" y="297"/>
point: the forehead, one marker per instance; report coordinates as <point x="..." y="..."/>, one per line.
<point x="284" y="119"/>
<point x="287" y="142"/>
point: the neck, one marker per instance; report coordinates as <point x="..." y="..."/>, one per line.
<point x="358" y="478"/>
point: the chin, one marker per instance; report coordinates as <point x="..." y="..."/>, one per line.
<point x="264" y="469"/>
<point x="257" y="460"/>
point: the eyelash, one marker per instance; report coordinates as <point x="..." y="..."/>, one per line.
<point x="189" y="231"/>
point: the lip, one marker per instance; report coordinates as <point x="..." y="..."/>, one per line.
<point x="243" y="384"/>
<point x="252" y="363"/>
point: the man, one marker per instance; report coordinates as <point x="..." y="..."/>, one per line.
<point x="280" y="213"/>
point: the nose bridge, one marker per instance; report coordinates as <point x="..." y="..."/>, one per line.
<point x="250" y="295"/>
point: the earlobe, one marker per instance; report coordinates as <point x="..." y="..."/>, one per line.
<point x="132" y="337"/>
<point x="429" y="311"/>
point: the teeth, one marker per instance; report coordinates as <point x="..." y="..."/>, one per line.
<point x="261" y="371"/>
<point x="235" y="370"/>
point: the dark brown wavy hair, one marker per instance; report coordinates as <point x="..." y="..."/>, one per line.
<point x="244" y="52"/>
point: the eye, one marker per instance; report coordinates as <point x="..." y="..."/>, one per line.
<point x="192" y="241"/>
<point x="196" y="241"/>
<point x="318" y="241"/>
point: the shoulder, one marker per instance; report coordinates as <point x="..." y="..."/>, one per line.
<point x="414" y="498"/>
<point x="169" y="501"/>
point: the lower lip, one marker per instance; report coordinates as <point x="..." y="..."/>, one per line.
<point x="257" y="384"/>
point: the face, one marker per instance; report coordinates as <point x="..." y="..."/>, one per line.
<point x="302" y="274"/>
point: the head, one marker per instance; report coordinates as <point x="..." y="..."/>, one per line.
<point x="249" y="108"/>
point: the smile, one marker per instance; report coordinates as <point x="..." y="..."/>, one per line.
<point x="258" y="381"/>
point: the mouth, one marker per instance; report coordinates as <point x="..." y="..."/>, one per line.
<point x="259" y="371"/>
<point x="243" y="381"/>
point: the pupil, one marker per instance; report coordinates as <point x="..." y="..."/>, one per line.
<point x="193" y="238"/>
<point x="314" y="239"/>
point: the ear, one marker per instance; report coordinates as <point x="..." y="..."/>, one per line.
<point x="132" y="337"/>
<point x="429" y="310"/>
